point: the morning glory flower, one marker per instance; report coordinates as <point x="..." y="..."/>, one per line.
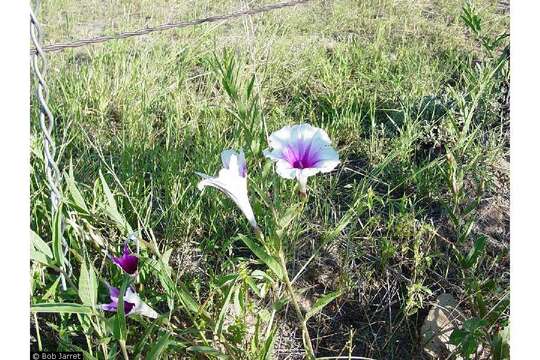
<point x="132" y="303"/>
<point x="232" y="180"/>
<point x="301" y="151"/>
<point x="127" y="262"/>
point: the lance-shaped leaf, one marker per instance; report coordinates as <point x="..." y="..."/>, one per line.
<point x="61" y="308"/>
<point x="321" y="303"/>
<point x="263" y="255"/>
<point x="88" y="286"/>
<point x="112" y="208"/>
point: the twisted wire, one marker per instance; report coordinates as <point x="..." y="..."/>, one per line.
<point x="46" y="122"/>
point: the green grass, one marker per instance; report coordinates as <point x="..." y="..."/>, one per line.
<point x="398" y="86"/>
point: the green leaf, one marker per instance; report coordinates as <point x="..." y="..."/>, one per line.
<point x="469" y="345"/>
<point x="280" y="303"/>
<point x="74" y="193"/>
<point x="289" y="215"/>
<point x="224" y="309"/>
<point x="52" y="290"/>
<point x="87" y="355"/>
<point x="497" y="311"/>
<point x="174" y="289"/>
<point x="266" y="352"/>
<point x="253" y="286"/>
<point x="88" y="285"/>
<point x="457" y="336"/>
<point x="120" y="328"/>
<point x="61" y="308"/>
<point x="468" y="228"/>
<point x="39" y="257"/>
<point x="471" y="325"/>
<point x="343" y="223"/>
<point x="163" y="265"/>
<point x="204" y="350"/>
<point x="476" y="251"/>
<point x="505" y="334"/>
<point x="500" y="344"/>
<point x="261" y="253"/>
<point x="187" y="300"/>
<point x="284" y="220"/>
<point x="40" y="245"/>
<point x="159" y="347"/>
<point x="321" y="303"/>
<point x="112" y="208"/>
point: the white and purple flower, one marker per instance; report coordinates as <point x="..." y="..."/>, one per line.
<point x="232" y="180"/>
<point x="127" y="262"/>
<point x="301" y="151"/>
<point x="132" y="303"/>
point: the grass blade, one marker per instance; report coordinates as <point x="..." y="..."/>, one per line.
<point x="159" y="347"/>
<point x="70" y="308"/>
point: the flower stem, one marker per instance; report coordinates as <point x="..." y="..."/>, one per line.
<point x="305" y="333"/>
<point x="258" y="232"/>
<point x="36" y="324"/>
<point x="124" y="350"/>
<point x="105" y="351"/>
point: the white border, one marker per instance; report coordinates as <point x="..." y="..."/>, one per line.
<point x="525" y="187"/>
<point x="14" y="147"/>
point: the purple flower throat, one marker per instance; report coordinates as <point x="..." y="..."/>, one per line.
<point x="300" y="158"/>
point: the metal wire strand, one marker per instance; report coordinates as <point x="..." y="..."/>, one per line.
<point x="46" y="122"/>
<point x="174" y="25"/>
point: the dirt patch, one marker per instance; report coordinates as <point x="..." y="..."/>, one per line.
<point x="494" y="211"/>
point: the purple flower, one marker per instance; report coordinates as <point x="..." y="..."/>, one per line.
<point x="301" y="151"/>
<point x="132" y="303"/>
<point x="127" y="261"/>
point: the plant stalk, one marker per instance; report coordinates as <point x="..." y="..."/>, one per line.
<point x="36" y="324"/>
<point x="301" y="318"/>
<point x="124" y="350"/>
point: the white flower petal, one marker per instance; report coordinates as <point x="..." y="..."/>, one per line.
<point x="306" y="133"/>
<point x="308" y="172"/>
<point x="226" y="156"/>
<point x="322" y="137"/>
<point x="284" y="169"/>
<point x="140" y="307"/>
<point x="144" y="310"/>
<point x="326" y="166"/>
<point x="275" y="154"/>
<point x="328" y="160"/>
<point x="301" y="151"/>
<point x="232" y="180"/>
<point x="131" y="296"/>
<point x="279" y="139"/>
<point x="303" y="175"/>
<point x="302" y="182"/>
<point x="234" y="161"/>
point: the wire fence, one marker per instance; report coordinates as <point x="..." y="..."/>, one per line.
<point x="46" y="118"/>
<point x="46" y="122"/>
<point x="168" y="26"/>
